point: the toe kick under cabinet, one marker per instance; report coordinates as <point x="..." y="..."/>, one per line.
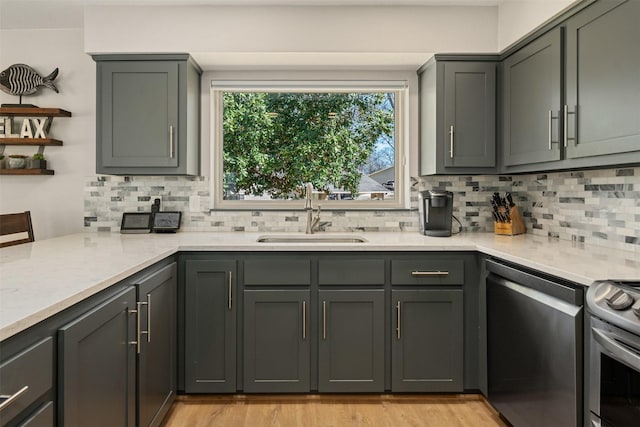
<point x="328" y="322"/>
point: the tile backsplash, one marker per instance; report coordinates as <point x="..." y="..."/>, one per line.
<point x="593" y="206"/>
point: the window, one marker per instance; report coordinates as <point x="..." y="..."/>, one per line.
<point x="272" y="137"/>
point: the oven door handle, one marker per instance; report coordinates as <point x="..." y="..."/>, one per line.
<point x="607" y="341"/>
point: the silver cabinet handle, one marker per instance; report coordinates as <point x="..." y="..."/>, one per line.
<point x="429" y="273"/>
<point x="230" y="293"/>
<point x="10" y="398"/>
<point x="324" y="320"/>
<point x="171" y="142"/>
<point x="566" y="126"/>
<point x="304" y="320"/>
<point x="398" y="319"/>
<point x="451" y="141"/>
<point x="137" y="340"/>
<point x="148" y="303"/>
<point x="550" y="129"/>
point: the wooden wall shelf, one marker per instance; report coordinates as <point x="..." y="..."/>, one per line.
<point x="33" y="112"/>
<point x="26" y="172"/>
<point x="41" y="143"/>
<point x="31" y="141"/>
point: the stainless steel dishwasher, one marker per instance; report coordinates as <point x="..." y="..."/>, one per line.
<point x="534" y="347"/>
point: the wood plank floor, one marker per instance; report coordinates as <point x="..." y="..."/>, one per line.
<point x="332" y="411"/>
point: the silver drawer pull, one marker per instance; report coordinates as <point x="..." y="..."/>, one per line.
<point x="10" y="398"/>
<point x="429" y="273"/>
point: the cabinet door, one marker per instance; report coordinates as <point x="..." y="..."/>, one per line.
<point x="427" y="343"/>
<point x="97" y="365"/>
<point x="157" y="368"/>
<point x="531" y="102"/>
<point x="603" y="80"/>
<point x="469" y="131"/>
<point x="351" y="349"/>
<point x="210" y="326"/>
<point x="276" y="341"/>
<point x="137" y="114"/>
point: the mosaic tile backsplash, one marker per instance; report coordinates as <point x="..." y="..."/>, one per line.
<point x="593" y="206"/>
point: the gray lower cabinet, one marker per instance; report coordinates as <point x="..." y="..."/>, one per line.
<point x="458" y="116"/>
<point x="26" y="382"/>
<point x="351" y="341"/>
<point x="276" y="341"/>
<point x="157" y="366"/>
<point x="147" y="115"/>
<point x="603" y="80"/>
<point x="427" y="342"/>
<point x="210" y="326"/>
<point x="97" y="365"/>
<point x="531" y="95"/>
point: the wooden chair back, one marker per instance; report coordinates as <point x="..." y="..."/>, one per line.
<point x="14" y="224"/>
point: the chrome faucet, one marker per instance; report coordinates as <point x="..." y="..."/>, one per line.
<point x="312" y="222"/>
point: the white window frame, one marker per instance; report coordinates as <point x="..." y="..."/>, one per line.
<point x="399" y="87"/>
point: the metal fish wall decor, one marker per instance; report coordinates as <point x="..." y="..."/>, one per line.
<point x="21" y="79"/>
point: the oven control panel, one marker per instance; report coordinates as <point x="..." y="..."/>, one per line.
<point x="616" y="302"/>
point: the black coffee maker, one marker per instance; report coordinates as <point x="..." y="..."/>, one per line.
<point x="436" y="210"/>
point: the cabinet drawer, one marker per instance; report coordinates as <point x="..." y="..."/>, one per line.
<point x="277" y="271"/>
<point x="25" y="377"/>
<point x="43" y="417"/>
<point x="427" y="272"/>
<point x="351" y="272"/>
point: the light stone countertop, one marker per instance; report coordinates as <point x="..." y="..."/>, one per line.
<point x="40" y="279"/>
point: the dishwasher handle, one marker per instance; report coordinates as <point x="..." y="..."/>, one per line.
<point x="564" y="290"/>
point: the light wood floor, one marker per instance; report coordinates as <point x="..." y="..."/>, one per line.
<point x="332" y="410"/>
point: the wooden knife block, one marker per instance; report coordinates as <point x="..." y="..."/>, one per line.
<point x="512" y="228"/>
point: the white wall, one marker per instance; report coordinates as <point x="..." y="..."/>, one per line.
<point x="56" y="202"/>
<point x="250" y="30"/>
<point x="516" y="18"/>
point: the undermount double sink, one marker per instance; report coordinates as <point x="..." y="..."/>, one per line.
<point x="310" y="238"/>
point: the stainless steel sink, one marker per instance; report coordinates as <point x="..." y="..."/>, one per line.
<point x="311" y="238"/>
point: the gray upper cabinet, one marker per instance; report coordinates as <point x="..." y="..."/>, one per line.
<point x="351" y="348"/>
<point x="571" y="97"/>
<point x="97" y="365"/>
<point x="157" y="366"/>
<point x="603" y="80"/>
<point x="458" y="117"/>
<point x="277" y="341"/>
<point x="531" y="101"/>
<point x="148" y="116"/>
<point x="210" y="326"/>
<point x="427" y="344"/>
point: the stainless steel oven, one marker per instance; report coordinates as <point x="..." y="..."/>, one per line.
<point x="614" y="354"/>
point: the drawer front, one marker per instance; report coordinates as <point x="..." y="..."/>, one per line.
<point x="42" y="418"/>
<point x="25" y="378"/>
<point x="277" y="271"/>
<point x="427" y="272"/>
<point x="351" y="272"/>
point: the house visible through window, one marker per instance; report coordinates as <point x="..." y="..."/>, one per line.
<point x="270" y="138"/>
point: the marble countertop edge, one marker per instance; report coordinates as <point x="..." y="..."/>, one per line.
<point x="97" y="261"/>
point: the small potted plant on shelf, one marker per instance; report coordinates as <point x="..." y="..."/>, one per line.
<point x="37" y="161"/>
<point x="1" y="161"/>
<point x="16" y="161"/>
